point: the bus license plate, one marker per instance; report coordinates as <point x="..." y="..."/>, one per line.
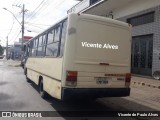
<point x="102" y="80"/>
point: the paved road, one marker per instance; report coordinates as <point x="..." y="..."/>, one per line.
<point x="17" y="95"/>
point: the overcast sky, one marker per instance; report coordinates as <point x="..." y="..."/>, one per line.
<point x="40" y="15"/>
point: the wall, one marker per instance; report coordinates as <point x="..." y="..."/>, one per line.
<point x="151" y="28"/>
<point x="17" y="49"/>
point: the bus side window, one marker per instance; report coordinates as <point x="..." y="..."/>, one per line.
<point x="35" y="45"/>
<point x="40" y="41"/>
<point x="30" y="47"/>
<point x="50" y="36"/>
<point x="52" y="48"/>
<point x="57" y="33"/>
<point x="63" y="37"/>
<point x="44" y="43"/>
<point x="40" y="47"/>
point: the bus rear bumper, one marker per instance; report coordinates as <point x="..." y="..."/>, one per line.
<point x="71" y="93"/>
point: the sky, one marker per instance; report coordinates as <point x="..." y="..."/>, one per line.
<point x="39" y="15"/>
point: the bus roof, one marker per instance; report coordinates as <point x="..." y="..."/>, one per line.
<point x="101" y="18"/>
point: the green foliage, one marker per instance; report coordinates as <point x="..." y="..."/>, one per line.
<point x="1" y="50"/>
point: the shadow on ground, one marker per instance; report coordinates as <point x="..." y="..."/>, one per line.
<point x="3" y="83"/>
<point x="8" y="104"/>
<point x="98" y="108"/>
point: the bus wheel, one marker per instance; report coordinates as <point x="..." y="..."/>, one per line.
<point x="43" y="93"/>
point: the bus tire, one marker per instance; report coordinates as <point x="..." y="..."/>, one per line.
<point x="43" y="93"/>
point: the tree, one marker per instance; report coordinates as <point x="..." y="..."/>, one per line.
<point x="1" y="50"/>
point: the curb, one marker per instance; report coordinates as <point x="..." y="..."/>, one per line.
<point x="14" y="65"/>
<point x="146" y="84"/>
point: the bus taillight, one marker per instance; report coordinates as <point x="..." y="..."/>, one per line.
<point x="71" y="78"/>
<point x="128" y="79"/>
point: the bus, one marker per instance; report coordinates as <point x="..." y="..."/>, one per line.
<point x="82" y="56"/>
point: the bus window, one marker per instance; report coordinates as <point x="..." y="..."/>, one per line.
<point x="63" y="37"/>
<point x="30" y="47"/>
<point x="52" y="49"/>
<point x="53" y="42"/>
<point x="34" y="50"/>
<point x="44" y="40"/>
<point x="40" y="41"/>
<point x="50" y="37"/>
<point x="57" y="33"/>
<point x="40" y="51"/>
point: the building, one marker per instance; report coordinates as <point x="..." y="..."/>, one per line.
<point x="144" y="15"/>
<point x="25" y="39"/>
<point x="15" y="52"/>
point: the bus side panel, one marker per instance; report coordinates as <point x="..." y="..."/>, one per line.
<point x="51" y="67"/>
<point x="52" y="87"/>
<point x="32" y="75"/>
<point x="50" y="70"/>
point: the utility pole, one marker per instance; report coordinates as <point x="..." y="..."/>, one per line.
<point x="22" y="27"/>
<point x="23" y="12"/>
<point x="7" y="48"/>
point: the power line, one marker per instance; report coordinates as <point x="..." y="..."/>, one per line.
<point x="39" y="8"/>
<point x="19" y="2"/>
<point x="15" y="38"/>
<point x="37" y="24"/>
<point x="55" y="6"/>
<point x="13" y="22"/>
<point x="11" y="28"/>
<point x="43" y="8"/>
<point x="13" y="15"/>
<point x="15" y="34"/>
<point x="36" y="9"/>
<point x="47" y="6"/>
<point x="4" y="42"/>
<point x="58" y="4"/>
<point x="6" y="29"/>
<point x="16" y="1"/>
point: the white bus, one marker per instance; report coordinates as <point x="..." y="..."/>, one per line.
<point x="82" y="56"/>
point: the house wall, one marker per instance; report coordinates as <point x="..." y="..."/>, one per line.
<point x="150" y="28"/>
<point x="17" y="52"/>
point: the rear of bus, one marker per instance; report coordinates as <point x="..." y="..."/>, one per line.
<point x="97" y="57"/>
